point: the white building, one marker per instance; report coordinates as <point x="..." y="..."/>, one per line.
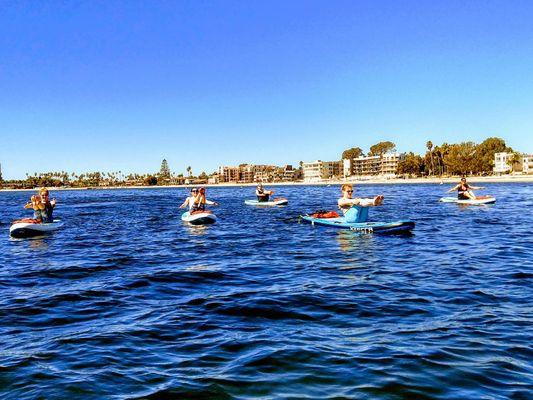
<point x="312" y="171"/>
<point x="346" y="167"/>
<point x="501" y="165"/>
<point x="318" y="171"/>
<point x="389" y="163"/>
<point x="384" y="165"/>
<point x="527" y="163"/>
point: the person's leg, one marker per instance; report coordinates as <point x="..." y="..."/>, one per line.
<point x="356" y="214"/>
<point x="470" y="195"/>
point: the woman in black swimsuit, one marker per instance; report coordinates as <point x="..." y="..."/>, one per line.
<point x="464" y="190"/>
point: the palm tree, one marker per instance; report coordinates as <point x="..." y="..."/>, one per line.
<point x="429" y="145"/>
<point x="189" y="171"/>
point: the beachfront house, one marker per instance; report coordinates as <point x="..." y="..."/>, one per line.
<point x="501" y="163"/>
<point x="527" y="163"/>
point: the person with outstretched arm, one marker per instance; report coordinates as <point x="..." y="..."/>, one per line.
<point x="356" y="209"/>
<point x="464" y="190"/>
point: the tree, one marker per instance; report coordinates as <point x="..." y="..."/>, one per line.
<point x="429" y="145"/>
<point x="514" y="160"/>
<point x="412" y="164"/>
<point x="381" y="148"/>
<point x="354" y="152"/>
<point x="460" y="159"/>
<point x="189" y="171"/>
<point x="203" y="175"/>
<point x="164" y="172"/>
<point x="150" y="180"/>
<point x="485" y="154"/>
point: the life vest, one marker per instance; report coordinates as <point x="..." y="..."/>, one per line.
<point x="325" y="214"/>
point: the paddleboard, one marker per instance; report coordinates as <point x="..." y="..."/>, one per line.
<point x="477" y="201"/>
<point x="29" y="229"/>
<point x="364" y="227"/>
<point x="275" y="202"/>
<point x="199" y="217"/>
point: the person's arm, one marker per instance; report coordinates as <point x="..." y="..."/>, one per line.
<point x="476" y="187"/>
<point x="453" y="189"/>
<point x="357" y="202"/>
<point x="211" y="203"/>
<point x="28" y="205"/>
<point x="185" y="203"/>
<point x="53" y="203"/>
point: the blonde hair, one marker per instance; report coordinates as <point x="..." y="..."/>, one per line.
<point x="43" y="190"/>
<point x="346" y="186"/>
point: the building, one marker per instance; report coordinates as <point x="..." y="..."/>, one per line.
<point x="501" y="163"/>
<point x="389" y="163"/>
<point x="213" y="179"/>
<point x="384" y="165"/>
<point x="318" y="171"/>
<point x="229" y="174"/>
<point x="247" y="173"/>
<point x="366" y="165"/>
<point x="289" y="173"/>
<point x="527" y="163"/>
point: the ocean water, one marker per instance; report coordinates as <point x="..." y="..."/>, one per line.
<point x="128" y="302"/>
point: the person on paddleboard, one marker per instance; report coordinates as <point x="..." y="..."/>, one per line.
<point x="197" y="201"/>
<point x="263" y="195"/>
<point x="38" y="207"/>
<point x="189" y="201"/>
<point x="49" y="205"/>
<point x="464" y="190"/>
<point x="356" y="209"/>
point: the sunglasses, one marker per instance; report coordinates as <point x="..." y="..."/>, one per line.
<point x="349" y="191"/>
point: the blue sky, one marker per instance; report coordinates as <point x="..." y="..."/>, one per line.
<point x="111" y="85"/>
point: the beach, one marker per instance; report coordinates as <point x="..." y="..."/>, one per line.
<point x="369" y="181"/>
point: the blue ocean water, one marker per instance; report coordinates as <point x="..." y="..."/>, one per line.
<point x="128" y="302"/>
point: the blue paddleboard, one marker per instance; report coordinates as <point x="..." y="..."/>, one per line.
<point x="364" y="227"/>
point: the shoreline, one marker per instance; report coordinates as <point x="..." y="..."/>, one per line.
<point x="392" y="181"/>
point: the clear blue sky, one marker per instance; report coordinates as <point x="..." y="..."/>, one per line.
<point x="111" y="85"/>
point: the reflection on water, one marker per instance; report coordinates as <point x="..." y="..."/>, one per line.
<point x="354" y="241"/>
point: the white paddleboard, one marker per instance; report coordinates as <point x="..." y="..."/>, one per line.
<point x="199" y="218"/>
<point x="275" y="202"/>
<point x="477" y="201"/>
<point x="29" y="229"/>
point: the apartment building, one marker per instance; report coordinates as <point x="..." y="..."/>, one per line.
<point x="317" y="171"/>
<point x="384" y="165"/>
<point x="229" y="174"/>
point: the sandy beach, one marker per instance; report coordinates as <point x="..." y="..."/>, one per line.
<point x="370" y="181"/>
